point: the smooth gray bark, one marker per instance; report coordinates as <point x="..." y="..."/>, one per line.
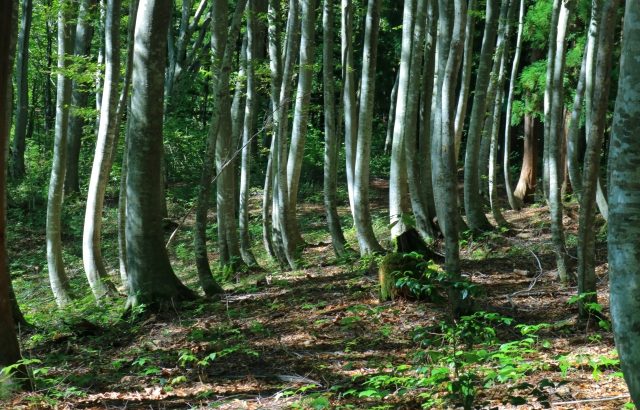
<point x="79" y="97"/>
<point x="465" y="80"/>
<point x="586" y="233"/>
<point x="624" y="205"/>
<point x="349" y="98"/>
<point x="151" y="277"/>
<point x="472" y="203"/>
<point x="573" y="133"/>
<point x="330" y="132"/>
<point x="102" y="160"/>
<point x="366" y="238"/>
<point x="57" y="275"/>
<point x="22" y="92"/>
<point x="392" y="114"/>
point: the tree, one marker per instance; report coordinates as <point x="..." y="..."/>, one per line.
<point x="472" y="203"/>
<point x="362" y="214"/>
<point x="624" y="205"/>
<point x="22" y="85"/>
<point x="330" y="132"/>
<point x="9" y="347"/>
<point x="79" y="96"/>
<point x="57" y="275"/>
<point x="465" y="80"/>
<point x="586" y="233"/>
<point x="102" y="160"/>
<point x="151" y="278"/>
<point x="349" y="98"/>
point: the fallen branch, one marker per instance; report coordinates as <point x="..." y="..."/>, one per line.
<point x="565" y="403"/>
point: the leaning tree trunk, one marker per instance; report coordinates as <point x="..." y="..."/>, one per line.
<point x="79" y="97"/>
<point x="472" y="203"/>
<point x="465" y="80"/>
<point x="586" y="233"/>
<point x="366" y="237"/>
<point x="22" y="86"/>
<point x="330" y="134"/>
<point x="9" y="347"/>
<point x="57" y="276"/>
<point x="513" y="202"/>
<point x="102" y="160"/>
<point x="624" y="205"/>
<point x="151" y="278"/>
<point x="555" y="137"/>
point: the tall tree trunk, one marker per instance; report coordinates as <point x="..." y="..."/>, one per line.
<point x="330" y="134"/>
<point x="451" y="28"/>
<point x="586" y="233"/>
<point x="555" y="137"/>
<point x="57" y="275"/>
<point x="624" y="205"/>
<point x="301" y="113"/>
<point x="465" y="80"/>
<point x="366" y="237"/>
<point x="513" y="202"/>
<point x="79" y="97"/>
<point x="573" y="131"/>
<point x="526" y="185"/>
<point x="9" y="347"/>
<point x="392" y="114"/>
<point x="102" y="159"/>
<point x="151" y="278"/>
<point x="247" y="137"/>
<point x="22" y="85"/>
<point x="349" y="98"/>
<point x="472" y="203"/>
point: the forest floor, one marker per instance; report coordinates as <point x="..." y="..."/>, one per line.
<point x="318" y="338"/>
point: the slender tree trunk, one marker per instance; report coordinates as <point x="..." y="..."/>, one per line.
<point x="349" y="98"/>
<point x="586" y="233"/>
<point x="247" y="136"/>
<point x="9" y="347"/>
<point x="465" y="81"/>
<point x="79" y="97"/>
<point x="366" y="237"/>
<point x="451" y="28"/>
<point x="472" y="203"/>
<point x="573" y="133"/>
<point x="548" y="90"/>
<point x="57" y="276"/>
<point x="102" y="160"/>
<point x="151" y="278"/>
<point x="513" y="202"/>
<point x="624" y="202"/>
<point x="392" y="115"/>
<point x="526" y="186"/>
<point x="555" y="139"/>
<point x="330" y="134"/>
<point x="22" y="86"/>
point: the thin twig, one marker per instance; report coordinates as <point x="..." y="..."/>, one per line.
<point x="564" y="403"/>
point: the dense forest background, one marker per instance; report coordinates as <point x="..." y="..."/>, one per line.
<point x="319" y="204"/>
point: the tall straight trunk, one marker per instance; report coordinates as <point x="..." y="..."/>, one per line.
<point x="22" y="86"/>
<point x="451" y="24"/>
<point x="301" y="111"/>
<point x="465" y="80"/>
<point x="125" y="104"/>
<point x="366" y="237"/>
<point x="473" y="205"/>
<point x="102" y="159"/>
<point x="151" y="278"/>
<point x="47" y="95"/>
<point x="555" y="138"/>
<point x="573" y="132"/>
<point x="9" y="347"/>
<point x="247" y="136"/>
<point x="283" y="235"/>
<point x="415" y="175"/>
<point x="513" y="202"/>
<point x="79" y="97"/>
<point x="330" y="134"/>
<point x="526" y="186"/>
<point x="586" y="233"/>
<point x="349" y="98"/>
<point x="392" y="114"/>
<point x="398" y="184"/>
<point x="275" y="67"/>
<point x="57" y="275"/>
<point x="624" y="205"/>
